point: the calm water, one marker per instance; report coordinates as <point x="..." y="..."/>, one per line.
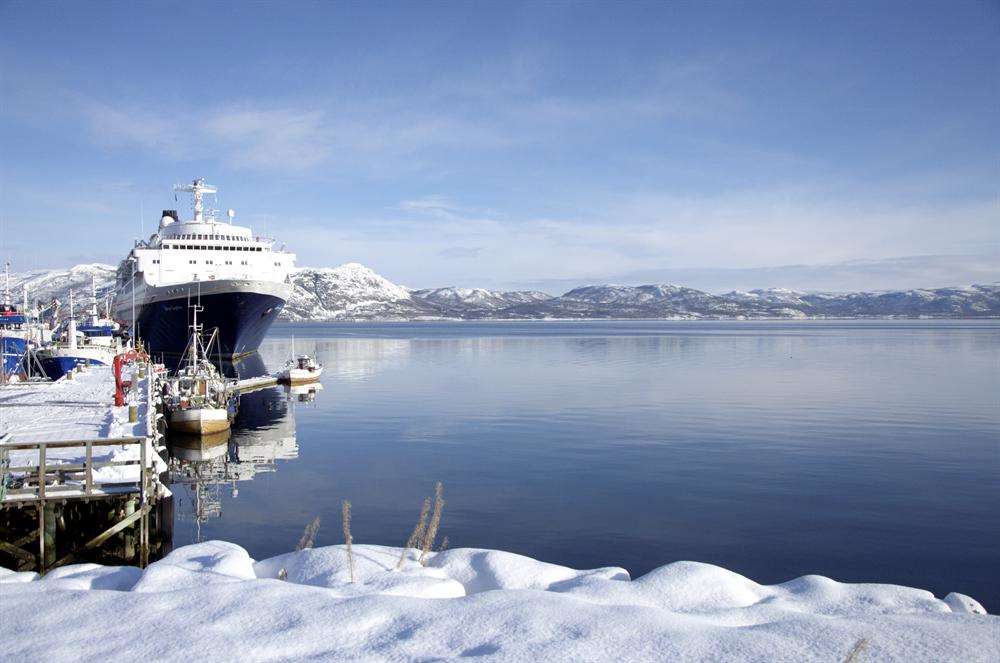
<point x="862" y="451"/>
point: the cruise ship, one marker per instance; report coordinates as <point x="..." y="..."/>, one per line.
<point x="241" y="280"/>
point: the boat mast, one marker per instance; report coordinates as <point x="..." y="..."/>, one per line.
<point x="6" y="287"/>
<point x="195" y="333"/>
<point x="71" y="327"/>
<point x="94" y="317"/>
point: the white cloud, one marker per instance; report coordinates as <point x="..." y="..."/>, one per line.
<point x="271" y="138"/>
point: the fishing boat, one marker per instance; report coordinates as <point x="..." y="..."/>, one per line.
<point x="96" y="342"/>
<point x="198" y="397"/>
<point x="300" y="370"/>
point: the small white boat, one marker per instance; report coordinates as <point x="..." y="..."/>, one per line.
<point x="301" y="370"/>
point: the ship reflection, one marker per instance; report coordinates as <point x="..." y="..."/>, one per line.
<point x="206" y="471"/>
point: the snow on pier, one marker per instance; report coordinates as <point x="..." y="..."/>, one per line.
<point x="81" y="408"/>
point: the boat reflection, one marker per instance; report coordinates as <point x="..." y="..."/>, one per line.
<point x="304" y="393"/>
<point x="205" y="471"/>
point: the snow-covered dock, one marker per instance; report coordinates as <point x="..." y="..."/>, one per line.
<point x="80" y="409"/>
<point x="65" y="444"/>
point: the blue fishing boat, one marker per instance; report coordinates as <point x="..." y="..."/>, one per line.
<point x="13" y="332"/>
<point x="92" y="343"/>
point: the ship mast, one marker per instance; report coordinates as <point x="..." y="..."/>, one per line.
<point x="198" y="188"/>
<point x="71" y="325"/>
<point x="195" y="334"/>
<point x="94" y="317"/>
<point x="6" y="287"/>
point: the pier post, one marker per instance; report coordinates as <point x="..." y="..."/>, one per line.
<point x="48" y="535"/>
<point x="129" y="534"/>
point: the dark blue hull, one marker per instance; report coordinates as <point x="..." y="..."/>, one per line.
<point x="12" y="349"/>
<point x="242" y="319"/>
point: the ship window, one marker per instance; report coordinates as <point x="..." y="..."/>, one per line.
<point x="209" y="262"/>
<point x="229" y="262"/>
<point x="192" y="262"/>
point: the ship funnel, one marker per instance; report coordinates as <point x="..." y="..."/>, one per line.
<point x="169" y="216"/>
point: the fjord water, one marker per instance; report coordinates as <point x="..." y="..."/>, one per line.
<point x="863" y="451"/>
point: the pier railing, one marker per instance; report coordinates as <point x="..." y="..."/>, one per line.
<point x="70" y="480"/>
<point x="43" y="485"/>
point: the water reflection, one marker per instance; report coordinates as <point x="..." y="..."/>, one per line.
<point x="205" y="469"/>
<point x="773" y="449"/>
<point x="350" y="359"/>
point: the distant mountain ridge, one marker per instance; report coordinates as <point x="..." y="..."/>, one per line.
<point x="355" y="292"/>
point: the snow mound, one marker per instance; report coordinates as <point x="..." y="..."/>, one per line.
<point x="197" y="565"/>
<point x="211" y="601"/>
<point x="93" y="576"/>
<point x="485" y="570"/>
<point x="374" y="572"/>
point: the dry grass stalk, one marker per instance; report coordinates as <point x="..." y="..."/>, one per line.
<point x="859" y="647"/>
<point x="444" y="544"/>
<point x="432" y="527"/>
<point x="417" y="533"/>
<point x="309" y="535"/>
<point x="346" y="512"/>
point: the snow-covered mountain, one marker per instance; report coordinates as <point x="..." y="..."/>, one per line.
<point x="479" y="299"/>
<point x="47" y="284"/>
<point x="355" y="292"/>
<point x="350" y="292"/>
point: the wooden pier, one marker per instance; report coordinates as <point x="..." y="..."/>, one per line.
<point x="97" y="495"/>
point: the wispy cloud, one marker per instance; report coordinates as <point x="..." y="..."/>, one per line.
<point x="269" y="138"/>
<point x="461" y="252"/>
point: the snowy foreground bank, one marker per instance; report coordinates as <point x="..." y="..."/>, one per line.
<point x="211" y="601"/>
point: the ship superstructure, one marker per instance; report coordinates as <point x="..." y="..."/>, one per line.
<point x="240" y="279"/>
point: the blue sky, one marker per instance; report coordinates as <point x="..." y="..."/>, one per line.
<point x="511" y="144"/>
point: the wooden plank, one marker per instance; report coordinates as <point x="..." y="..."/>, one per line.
<point x="41" y="471"/>
<point x="60" y="444"/>
<point x="24" y="557"/>
<point x="89" y="462"/>
<point x="103" y="536"/>
<point x="41" y="535"/>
